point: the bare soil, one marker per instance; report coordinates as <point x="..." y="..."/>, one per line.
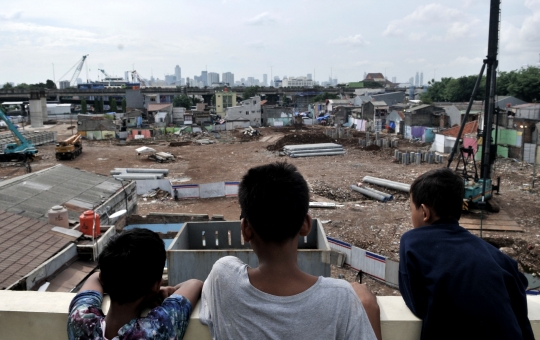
<point x="364" y="222"/>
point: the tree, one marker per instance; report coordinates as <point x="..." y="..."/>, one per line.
<point x="124" y="105"/>
<point x="7" y="86"/>
<point x="50" y="85"/>
<point x="113" y="105"/>
<point x="84" y="106"/>
<point x="195" y="100"/>
<point x="323" y="97"/>
<point x="250" y="91"/>
<point x="182" y="101"/>
<point x="523" y="84"/>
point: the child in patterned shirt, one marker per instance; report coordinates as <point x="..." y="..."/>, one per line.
<point x="131" y="268"/>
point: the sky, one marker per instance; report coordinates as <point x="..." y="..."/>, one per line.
<point x="338" y="38"/>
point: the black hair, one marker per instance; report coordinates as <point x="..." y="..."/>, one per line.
<point x="131" y="263"/>
<point x="440" y="189"/>
<point x="274" y="199"/>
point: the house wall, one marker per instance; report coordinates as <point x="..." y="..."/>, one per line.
<point x="419" y="118"/>
<point x="134" y="99"/>
<point x="454" y="115"/>
<point x="249" y="109"/>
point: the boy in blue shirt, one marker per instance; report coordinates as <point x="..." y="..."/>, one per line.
<point x="131" y="270"/>
<point x="459" y="285"/>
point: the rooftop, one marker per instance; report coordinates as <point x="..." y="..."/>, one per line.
<point x="32" y="195"/>
<point x="158" y="107"/>
<point x="25" y="243"/>
<point x="470" y="127"/>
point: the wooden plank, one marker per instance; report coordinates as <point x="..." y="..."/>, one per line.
<point x="477" y="222"/>
<point x="66" y="233"/>
<point x="493" y="228"/>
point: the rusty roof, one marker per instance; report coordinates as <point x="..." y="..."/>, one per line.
<point x="470" y="127"/>
<point x="157" y="107"/>
<point x="25" y="243"/>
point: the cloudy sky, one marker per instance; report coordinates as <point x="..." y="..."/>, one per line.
<point x="252" y="37"/>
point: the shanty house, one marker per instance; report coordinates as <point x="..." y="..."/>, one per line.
<point x="249" y="109"/>
<point x="96" y="127"/>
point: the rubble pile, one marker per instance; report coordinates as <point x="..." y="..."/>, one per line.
<point x="156" y="194"/>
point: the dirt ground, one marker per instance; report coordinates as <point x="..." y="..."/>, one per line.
<point x="369" y="224"/>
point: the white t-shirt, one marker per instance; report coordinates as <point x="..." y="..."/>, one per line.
<point x="233" y="309"/>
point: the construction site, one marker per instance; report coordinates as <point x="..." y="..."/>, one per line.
<point x="371" y="224"/>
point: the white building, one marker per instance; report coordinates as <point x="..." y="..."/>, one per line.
<point x="178" y="74"/>
<point x="297" y="82"/>
<point x="249" y="109"/>
<point x="213" y="77"/>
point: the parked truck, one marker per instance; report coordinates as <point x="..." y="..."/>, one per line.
<point x="69" y="148"/>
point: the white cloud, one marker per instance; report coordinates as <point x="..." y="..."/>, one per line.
<point x="264" y="18"/>
<point x="362" y="62"/>
<point x="459" y="30"/>
<point x="433" y="13"/>
<point x="393" y="29"/>
<point x="415" y="61"/>
<point x="461" y="60"/>
<point x="353" y="40"/>
<point x="11" y="16"/>
<point x="517" y="40"/>
<point x="258" y="44"/>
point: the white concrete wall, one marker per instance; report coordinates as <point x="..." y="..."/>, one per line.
<point x="146" y="185"/>
<point x="42" y="315"/>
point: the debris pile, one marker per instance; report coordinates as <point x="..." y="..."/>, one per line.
<point x="312" y="150"/>
<point x="251" y="132"/>
<point x="295" y="138"/>
<point x="157" y="194"/>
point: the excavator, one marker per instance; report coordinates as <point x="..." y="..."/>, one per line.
<point x="22" y="150"/>
<point x="69" y="148"/>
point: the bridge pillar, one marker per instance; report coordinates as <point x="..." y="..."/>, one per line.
<point x="36" y="116"/>
<point x="43" y="99"/>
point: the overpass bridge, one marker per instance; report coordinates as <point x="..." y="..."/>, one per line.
<point x="74" y="96"/>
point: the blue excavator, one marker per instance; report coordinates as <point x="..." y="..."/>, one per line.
<point x="22" y="150"/>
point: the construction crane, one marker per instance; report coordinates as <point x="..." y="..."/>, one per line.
<point x="479" y="189"/>
<point x="105" y="73"/>
<point x="135" y="75"/>
<point x="78" y="67"/>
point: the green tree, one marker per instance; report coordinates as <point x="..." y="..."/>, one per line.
<point x="124" y="105"/>
<point x="113" y="105"/>
<point x="323" y="97"/>
<point x="7" y="86"/>
<point x="195" y="100"/>
<point x="523" y="84"/>
<point x="50" y="85"/>
<point x="84" y="106"/>
<point x="250" y="91"/>
<point x="182" y="101"/>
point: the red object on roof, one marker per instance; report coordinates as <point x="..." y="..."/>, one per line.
<point x="470" y="127"/>
<point x="263" y="102"/>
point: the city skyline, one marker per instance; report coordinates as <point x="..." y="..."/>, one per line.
<point x="443" y="38"/>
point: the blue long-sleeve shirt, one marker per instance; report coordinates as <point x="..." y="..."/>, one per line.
<point x="461" y="286"/>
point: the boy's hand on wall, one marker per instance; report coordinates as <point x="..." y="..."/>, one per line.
<point x="369" y="301"/>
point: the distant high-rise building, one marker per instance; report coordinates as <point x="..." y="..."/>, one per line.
<point x="79" y="81"/>
<point x="411" y="81"/>
<point x="64" y="84"/>
<point x="178" y="73"/>
<point x="417" y="80"/>
<point x="265" y="79"/>
<point x="126" y="76"/>
<point x="309" y="76"/>
<point x="365" y="75"/>
<point x="421" y="79"/>
<point x="228" y="78"/>
<point x="213" y="77"/>
<point x="170" y="79"/>
<point x="250" y="81"/>
<point x="204" y="78"/>
<point x="394" y="80"/>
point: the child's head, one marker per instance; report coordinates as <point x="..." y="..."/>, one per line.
<point x="131" y="264"/>
<point x="437" y="194"/>
<point x="274" y="199"/>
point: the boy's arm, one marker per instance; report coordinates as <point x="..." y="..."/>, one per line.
<point x="369" y="301"/>
<point x="411" y="285"/>
<point x="92" y="283"/>
<point x="190" y="289"/>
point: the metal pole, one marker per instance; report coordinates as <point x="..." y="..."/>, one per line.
<point x="466" y="117"/>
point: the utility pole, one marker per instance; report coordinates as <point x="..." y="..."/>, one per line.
<point x="54" y="77"/>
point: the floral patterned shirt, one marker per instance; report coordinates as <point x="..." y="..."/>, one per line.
<point x="86" y="320"/>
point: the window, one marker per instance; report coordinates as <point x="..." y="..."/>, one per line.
<point x="247" y="112"/>
<point x="254" y="102"/>
<point x="252" y="111"/>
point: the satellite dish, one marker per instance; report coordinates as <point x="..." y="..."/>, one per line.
<point x="118" y="214"/>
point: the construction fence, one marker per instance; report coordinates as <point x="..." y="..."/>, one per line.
<point x="364" y="261"/>
<point x="208" y="190"/>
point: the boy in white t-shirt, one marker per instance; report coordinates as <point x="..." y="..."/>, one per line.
<point x="276" y="300"/>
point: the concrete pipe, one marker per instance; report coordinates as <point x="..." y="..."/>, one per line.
<point x="147" y="171"/>
<point x="377" y="135"/>
<point x="418" y="158"/>
<point x="387" y="183"/>
<point x="430" y="158"/>
<point x="396" y="154"/>
<point x="369" y="193"/>
<point x="389" y="197"/>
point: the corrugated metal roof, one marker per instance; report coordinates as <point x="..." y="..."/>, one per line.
<point x="419" y="107"/>
<point x="470" y="127"/>
<point x="25" y="243"/>
<point x="32" y="195"/>
<point x="157" y="107"/>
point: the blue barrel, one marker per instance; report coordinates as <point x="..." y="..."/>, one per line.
<point x="429" y="136"/>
